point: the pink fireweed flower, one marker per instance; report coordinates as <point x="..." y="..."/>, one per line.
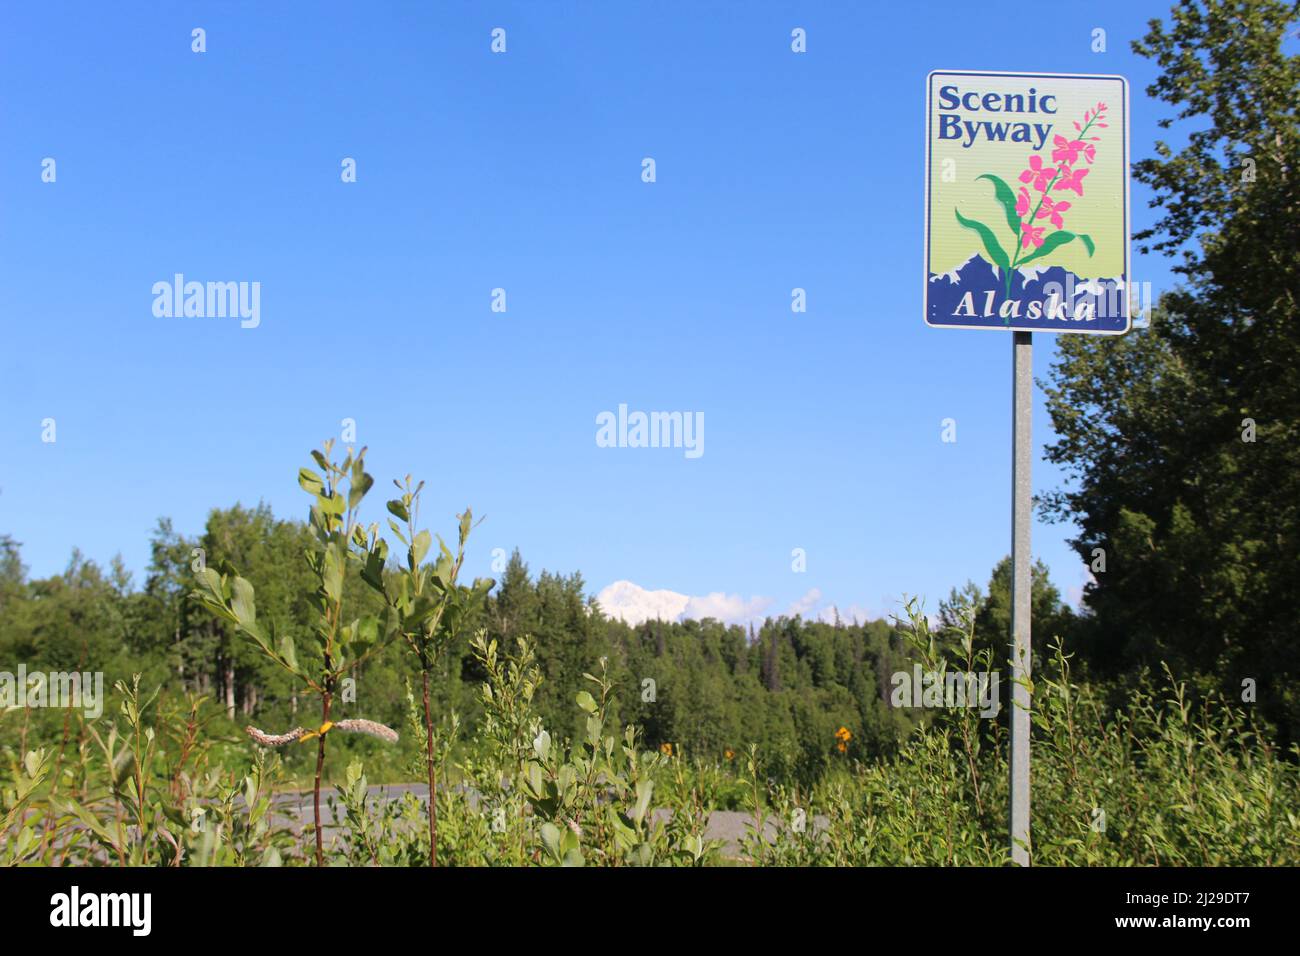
<point x="1022" y="203"/>
<point x="1031" y="235"/>
<point x="1052" y="209"/>
<point x="1040" y="174"/>
<point x="1067" y="151"/>
<point x="1071" y="179"/>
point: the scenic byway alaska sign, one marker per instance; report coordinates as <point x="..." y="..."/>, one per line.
<point x="1026" y="208"/>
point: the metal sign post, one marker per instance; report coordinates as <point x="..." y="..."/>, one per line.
<point x="1026" y="230"/>
<point x="1022" y="407"/>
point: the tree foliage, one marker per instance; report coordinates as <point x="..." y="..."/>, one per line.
<point x="1182" y="440"/>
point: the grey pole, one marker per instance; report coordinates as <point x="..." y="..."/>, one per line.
<point x="1021" y="578"/>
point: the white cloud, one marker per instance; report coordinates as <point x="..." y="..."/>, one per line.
<point x="805" y="604"/>
<point x="633" y="604"/>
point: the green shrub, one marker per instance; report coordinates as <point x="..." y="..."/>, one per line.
<point x="1162" y="779"/>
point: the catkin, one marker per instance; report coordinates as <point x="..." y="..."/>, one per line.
<point x="352" y="725"/>
<point x="273" y="740"/>
<point x="360" y="726"/>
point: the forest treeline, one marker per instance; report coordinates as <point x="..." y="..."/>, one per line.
<point x="703" y="687"/>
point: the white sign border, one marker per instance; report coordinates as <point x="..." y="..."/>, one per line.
<point x="1128" y="208"/>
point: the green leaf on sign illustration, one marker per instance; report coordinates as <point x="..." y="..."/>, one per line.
<point x="1008" y="200"/>
<point x="1055" y="241"/>
<point x="995" y="251"/>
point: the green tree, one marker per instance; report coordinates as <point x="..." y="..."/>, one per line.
<point x="1050" y="617"/>
<point x="1182" y="440"/>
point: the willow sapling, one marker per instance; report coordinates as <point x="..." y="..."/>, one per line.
<point x="337" y="491"/>
<point x="429" y="606"/>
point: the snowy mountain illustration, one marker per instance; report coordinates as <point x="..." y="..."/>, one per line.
<point x="1042" y="297"/>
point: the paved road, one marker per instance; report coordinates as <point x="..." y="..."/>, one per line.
<point x="295" y="808"/>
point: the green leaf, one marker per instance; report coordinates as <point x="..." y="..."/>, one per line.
<point x="242" y="603"/>
<point x="357" y="490"/>
<point x="361" y="536"/>
<point x="25" y="839"/>
<point x="397" y="531"/>
<point x="586" y="702"/>
<point x="211" y="587"/>
<point x="420" y="547"/>
<point x="332" y="576"/>
<point x="443" y="569"/>
<point x="1055" y="241"/>
<point x="550" y="835"/>
<point x="106" y="837"/>
<point x="565" y="780"/>
<point x="643" y="855"/>
<point x="991" y="246"/>
<point x="534" y="782"/>
<point x="32" y="762"/>
<point x="1008" y="200"/>
<point x="373" y="571"/>
<point x="399" y="510"/>
<point x="310" y="481"/>
<point x="289" y="652"/>
<point x="644" y="788"/>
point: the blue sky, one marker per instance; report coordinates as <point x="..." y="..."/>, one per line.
<point x="519" y="171"/>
